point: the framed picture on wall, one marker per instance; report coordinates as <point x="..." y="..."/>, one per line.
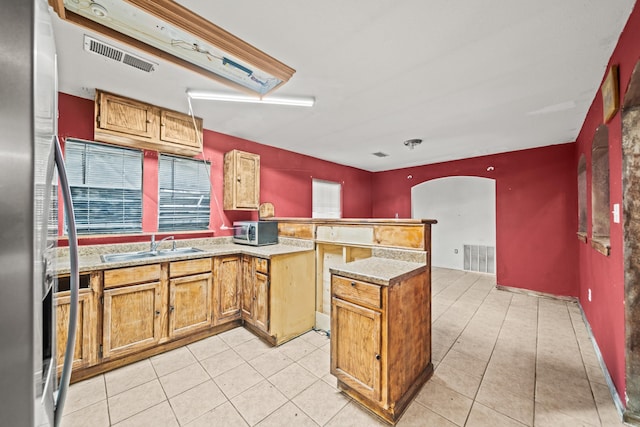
<point x="610" y="94"/>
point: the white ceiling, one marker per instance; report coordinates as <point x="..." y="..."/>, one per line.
<point x="468" y="77"/>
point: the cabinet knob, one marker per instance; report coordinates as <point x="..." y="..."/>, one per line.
<point x="157" y="312"/>
<point x="353" y="283"/>
<point x="238" y="179"/>
<point x="377" y="357"/>
<point x="171" y="308"/>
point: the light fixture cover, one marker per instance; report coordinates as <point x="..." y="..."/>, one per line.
<point x="171" y="28"/>
<point x="298" y="101"/>
<point x="411" y="143"/>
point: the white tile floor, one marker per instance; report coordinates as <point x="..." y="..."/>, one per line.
<point x="502" y="359"/>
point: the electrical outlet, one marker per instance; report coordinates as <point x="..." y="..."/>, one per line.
<point x="455" y="251"/>
<point x="589" y="297"/>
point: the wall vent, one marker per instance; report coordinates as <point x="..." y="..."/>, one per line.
<point x="480" y="258"/>
<point x="98" y="47"/>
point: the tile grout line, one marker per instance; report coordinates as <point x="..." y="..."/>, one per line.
<point x="488" y="362"/>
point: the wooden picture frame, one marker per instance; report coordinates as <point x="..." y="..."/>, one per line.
<point x="610" y="94"/>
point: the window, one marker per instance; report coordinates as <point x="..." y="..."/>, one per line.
<point x="582" y="198"/>
<point x="185" y="194"/>
<point x="326" y="199"/>
<point x="106" y="187"/>
<point x="600" y="190"/>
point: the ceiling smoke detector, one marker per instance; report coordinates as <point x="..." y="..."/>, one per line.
<point x="411" y="143"/>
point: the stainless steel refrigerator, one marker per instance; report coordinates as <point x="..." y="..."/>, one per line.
<point x="31" y="391"/>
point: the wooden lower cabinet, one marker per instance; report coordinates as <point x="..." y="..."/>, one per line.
<point x="381" y="340"/>
<point x="84" y="353"/>
<point x="357" y="347"/>
<point x="86" y="347"/>
<point x="227" y="285"/>
<point x="190" y="296"/>
<point x="189" y="304"/>
<point x="255" y="292"/>
<point x="132" y="318"/>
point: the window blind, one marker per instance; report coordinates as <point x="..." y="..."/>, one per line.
<point x="106" y="187"/>
<point x="185" y="194"/>
<point x="326" y="199"/>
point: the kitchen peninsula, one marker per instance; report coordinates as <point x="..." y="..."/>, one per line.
<point x="371" y="278"/>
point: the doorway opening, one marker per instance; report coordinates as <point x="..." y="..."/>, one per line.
<point x="465" y="207"/>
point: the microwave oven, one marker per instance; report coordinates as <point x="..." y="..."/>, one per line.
<point x="255" y="233"/>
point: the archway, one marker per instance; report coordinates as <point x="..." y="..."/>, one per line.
<point x="465" y="207"/>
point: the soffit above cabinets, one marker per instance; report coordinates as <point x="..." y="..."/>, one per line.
<point x="171" y="31"/>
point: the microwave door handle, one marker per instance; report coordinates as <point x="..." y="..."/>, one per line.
<point x="74" y="275"/>
<point x="248" y="227"/>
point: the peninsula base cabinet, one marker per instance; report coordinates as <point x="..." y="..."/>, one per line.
<point x="279" y="295"/>
<point x="381" y="340"/>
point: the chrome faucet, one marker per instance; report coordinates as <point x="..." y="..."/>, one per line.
<point x="154" y="244"/>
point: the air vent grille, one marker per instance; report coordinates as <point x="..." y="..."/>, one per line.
<point x="137" y="63"/>
<point x="380" y="154"/>
<point x="480" y="258"/>
<point x="103" y="49"/>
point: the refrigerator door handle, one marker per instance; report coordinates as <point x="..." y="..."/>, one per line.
<point x="74" y="286"/>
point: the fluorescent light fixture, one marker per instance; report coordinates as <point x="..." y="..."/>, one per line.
<point x="297" y="101"/>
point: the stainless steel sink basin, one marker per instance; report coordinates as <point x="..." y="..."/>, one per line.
<point x="132" y="256"/>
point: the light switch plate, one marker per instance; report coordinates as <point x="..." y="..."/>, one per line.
<point x="616" y="213"/>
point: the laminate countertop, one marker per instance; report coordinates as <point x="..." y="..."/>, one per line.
<point x="381" y="271"/>
<point x="90" y="257"/>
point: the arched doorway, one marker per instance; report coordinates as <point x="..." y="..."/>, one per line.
<point x="465" y="207"/>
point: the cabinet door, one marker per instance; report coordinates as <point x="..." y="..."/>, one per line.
<point x="227" y="288"/>
<point x="131" y="318"/>
<point x="261" y="301"/>
<point x="128" y="116"/>
<point x="247" y="288"/>
<point x="180" y="129"/>
<point x="82" y="355"/>
<point x="355" y="347"/>
<point x="248" y="181"/>
<point x="189" y="304"/>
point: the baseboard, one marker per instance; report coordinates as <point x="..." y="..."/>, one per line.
<point x="612" y="389"/>
<point x="536" y="293"/>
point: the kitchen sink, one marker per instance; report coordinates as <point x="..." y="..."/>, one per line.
<point x="132" y="256"/>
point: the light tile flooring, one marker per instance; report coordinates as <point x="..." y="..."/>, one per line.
<point x="502" y="359"/>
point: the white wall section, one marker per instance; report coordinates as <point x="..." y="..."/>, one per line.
<point x="465" y="208"/>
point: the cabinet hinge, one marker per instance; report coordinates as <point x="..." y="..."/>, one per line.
<point x="102" y="300"/>
<point x="100" y="351"/>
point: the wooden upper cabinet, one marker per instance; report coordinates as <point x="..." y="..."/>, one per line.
<point x="241" y="180"/>
<point x="124" y="121"/>
<point x="127" y="116"/>
<point x="179" y="128"/>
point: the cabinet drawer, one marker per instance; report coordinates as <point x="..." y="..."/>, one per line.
<point x="131" y="275"/>
<point x="262" y="265"/>
<point x="356" y="291"/>
<point x="189" y="266"/>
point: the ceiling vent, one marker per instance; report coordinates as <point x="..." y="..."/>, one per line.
<point x="380" y="154"/>
<point x="98" y="47"/>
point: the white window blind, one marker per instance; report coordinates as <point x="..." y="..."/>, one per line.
<point x="326" y="199"/>
<point x="185" y="194"/>
<point x="106" y="187"/>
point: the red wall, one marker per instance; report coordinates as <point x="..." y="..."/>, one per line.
<point x="285" y="177"/>
<point x="605" y="275"/>
<point x="536" y="213"/>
